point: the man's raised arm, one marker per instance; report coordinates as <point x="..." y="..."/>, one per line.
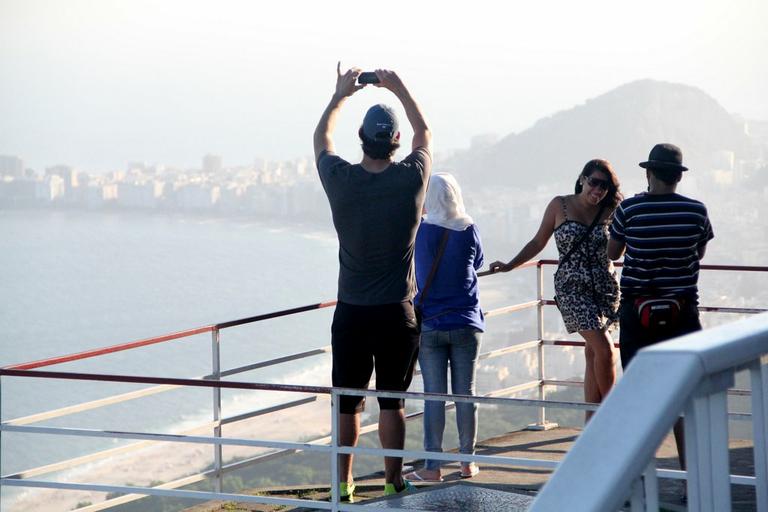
<point x="422" y="137"/>
<point x="345" y="86"/>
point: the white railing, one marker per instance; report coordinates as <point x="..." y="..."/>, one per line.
<point x="613" y="459"/>
<point x="24" y="478"/>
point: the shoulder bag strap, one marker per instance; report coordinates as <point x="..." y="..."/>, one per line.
<point x="433" y="271"/>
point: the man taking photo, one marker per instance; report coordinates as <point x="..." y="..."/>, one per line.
<point x="376" y="207"/>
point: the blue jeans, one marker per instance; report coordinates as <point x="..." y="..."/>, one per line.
<point x="437" y="348"/>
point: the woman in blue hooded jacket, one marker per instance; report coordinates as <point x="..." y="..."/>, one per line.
<point x="452" y="322"/>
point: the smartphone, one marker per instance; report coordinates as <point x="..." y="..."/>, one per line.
<point x="367" y="77"/>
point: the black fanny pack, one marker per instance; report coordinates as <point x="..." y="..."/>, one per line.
<point x="658" y="313"/>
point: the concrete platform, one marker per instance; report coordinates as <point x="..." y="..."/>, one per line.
<point x="505" y="484"/>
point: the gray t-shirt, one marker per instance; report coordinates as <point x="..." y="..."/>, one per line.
<point x="376" y="216"/>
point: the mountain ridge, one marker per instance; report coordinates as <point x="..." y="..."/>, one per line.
<point x="620" y="125"/>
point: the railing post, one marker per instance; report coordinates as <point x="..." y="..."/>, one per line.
<point x="651" y="487"/>
<point x="216" y="373"/>
<point x="334" y="450"/>
<point x="758" y="370"/>
<point x="706" y="445"/>
<point x="645" y="491"/>
<point x="541" y="423"/>
<point x="1" y="431"/>
<point x="637" y="499"/>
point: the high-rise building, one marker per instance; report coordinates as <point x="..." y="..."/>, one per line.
<point x="212" y="164"/>
<point x="11" y="166"/>
<point x="67" y="173"/>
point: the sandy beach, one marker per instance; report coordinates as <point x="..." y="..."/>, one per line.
<point x="165" y="462"/>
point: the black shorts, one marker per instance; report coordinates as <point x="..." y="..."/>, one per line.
<point x="633" y="336"/>
<point x="384" y="337"/>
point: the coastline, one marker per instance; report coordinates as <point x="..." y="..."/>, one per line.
<point x="308" y="226"/>
<point x="178" y="459"/>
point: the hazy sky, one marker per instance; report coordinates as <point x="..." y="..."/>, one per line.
<point x="98" y="83"/>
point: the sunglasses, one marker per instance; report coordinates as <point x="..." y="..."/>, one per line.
<point x="597" y="182"/>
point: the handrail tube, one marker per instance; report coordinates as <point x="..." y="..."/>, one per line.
<point x="569" y="343"/>
<point x="676" y="474"/>
<point x="737" y="268"/>
<point x="721" y="309"/>
<point x="511" y="309"/>
<point x="709" y="309"/>
<point x="527" y="264"/>
<point x="276" y="314"/>
<point x="168" y="438"/>
<point x="509" y="350"/>
<point x="456" y="457"/>
<point x="165" y="380"/>
<point x="68" y="463"/>
<point x="87" y="406"/>
<point x="127" y="498"/>
<point x="155" y="491"/>
<point x="268" y="410"/>
<point x="109" y="350"/>
<point x="524" y="386"/>
<point x="439" y="397"/>
<point x="278" y="360"/>
<point x="555" y="382"/>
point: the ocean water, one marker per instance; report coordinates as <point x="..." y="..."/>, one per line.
<point x="73" y="281"/>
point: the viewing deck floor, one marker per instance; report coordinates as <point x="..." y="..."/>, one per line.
<point x="507" y="488"/>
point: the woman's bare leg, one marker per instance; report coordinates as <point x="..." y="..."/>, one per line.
<point x="591" y="392"/>
<point x="603" y="360"/>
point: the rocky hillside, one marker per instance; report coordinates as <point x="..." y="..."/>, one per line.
<point x="621" y="126"/>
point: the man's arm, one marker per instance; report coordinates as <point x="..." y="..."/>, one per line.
<point x="617" y="243"/>
<point x="702" y="249"/>
<point x="346" y="85"/>
<point x="422" y="137"/>
<point x="615" y="248"/>
<point x="536" y="244"/>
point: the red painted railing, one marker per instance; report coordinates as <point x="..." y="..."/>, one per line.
<point x="302" y="309"/>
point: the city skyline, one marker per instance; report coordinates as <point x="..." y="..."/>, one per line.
<point x="99" y="85"/>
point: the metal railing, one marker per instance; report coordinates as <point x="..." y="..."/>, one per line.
<point x="690" y="374"/>
<point x="213" y="381"/>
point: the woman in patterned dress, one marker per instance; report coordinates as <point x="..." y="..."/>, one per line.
<point x="586" y="286"/>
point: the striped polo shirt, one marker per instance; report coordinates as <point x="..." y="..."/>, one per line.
<point x="663" y="234"/>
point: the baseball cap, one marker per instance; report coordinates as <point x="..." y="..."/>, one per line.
<point x="380" y="123"/>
